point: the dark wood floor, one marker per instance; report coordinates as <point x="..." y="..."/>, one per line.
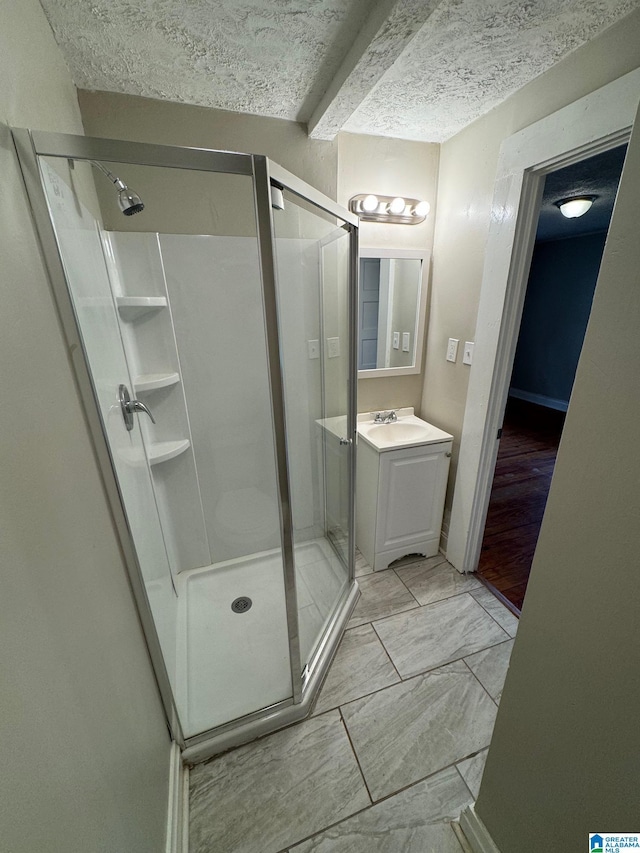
<point x="526" y="457"/>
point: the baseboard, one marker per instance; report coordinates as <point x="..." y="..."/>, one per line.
<point x="539" y="399"/>
<point x="178" y="807"/>
<point x="476" y="833"/>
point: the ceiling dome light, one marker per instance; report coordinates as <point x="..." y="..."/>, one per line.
<point x="574" y="207"/>
<point x="397" y="206"/>
<point x="370" y="203"/>
<point x="422" y="208"/>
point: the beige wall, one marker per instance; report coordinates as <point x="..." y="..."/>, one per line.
<point x="389" y="167"/>
<point x="565" y="755"/>
<point x="468" y="165"/>
<point x="146" y="120"/>
<point x="349" y="165"/>
<point x="85" y="753"/>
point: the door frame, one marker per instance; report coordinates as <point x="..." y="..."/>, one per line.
<point x="591" y="125"/>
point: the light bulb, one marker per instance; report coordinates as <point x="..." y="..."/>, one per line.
<point x="397" y="206"/>
<point x="574" y="207"/>
<point x="370" y="203"/>
<point x="422" y="208"/>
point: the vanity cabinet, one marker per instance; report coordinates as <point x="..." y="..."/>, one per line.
<point x="400" y="500"/>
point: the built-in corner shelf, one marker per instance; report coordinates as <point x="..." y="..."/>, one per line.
<point x="134" y="307"/>
<point x="162" y="451"/>
<point x="152" y="381"/>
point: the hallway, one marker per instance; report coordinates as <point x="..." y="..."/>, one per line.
<point x="526" y="458"/>
<point x="395" y="747"/>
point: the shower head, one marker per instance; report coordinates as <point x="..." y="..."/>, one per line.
<point x="129" y="201"/>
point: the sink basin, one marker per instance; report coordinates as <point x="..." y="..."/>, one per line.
<point x="399" y="431"/>
<point x="407" y="431"/>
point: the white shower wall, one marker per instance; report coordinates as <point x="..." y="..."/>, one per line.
<point x="79" y="236"/>
<point x="149" y="341"/>
<point x="215" y="294"/>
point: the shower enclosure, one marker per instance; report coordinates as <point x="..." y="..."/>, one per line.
<point x="212" y="336"/>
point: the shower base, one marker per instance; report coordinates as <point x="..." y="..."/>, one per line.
<point x="234" y="663"/>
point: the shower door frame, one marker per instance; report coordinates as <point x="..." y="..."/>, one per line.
<point x="30" y="145"/>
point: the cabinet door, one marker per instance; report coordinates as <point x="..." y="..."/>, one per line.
<point x="412" y="489"/>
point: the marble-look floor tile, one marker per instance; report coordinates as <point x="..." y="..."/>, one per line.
<point x="490" y="667"/>
<point x="410" y="559"/>
<point x="415" y="728"/>
<point x="274" y="792"/>
<point x="381" y="594"/>
<point x="435" y="579"/>
<point x="471" y="770"/>
<point x="362" y="567"/>
<point x="360" y="666"/>
<point x="495" y="608"/>
<point x="438" y="633"/>
<point x="413" y="821"/>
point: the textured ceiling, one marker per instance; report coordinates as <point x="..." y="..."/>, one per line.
<point x="472" y="54"/>
<point x="267" y="57"/>
<point x="416" y="69"/>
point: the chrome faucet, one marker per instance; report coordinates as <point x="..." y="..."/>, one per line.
<point x="385" y="417"/>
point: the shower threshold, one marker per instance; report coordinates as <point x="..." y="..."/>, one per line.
<point x="234" y="662"/>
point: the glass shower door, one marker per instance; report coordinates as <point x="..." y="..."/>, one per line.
<point x="312" y="261"/>
<point x="168" y="303"/>
<point x="69" y="192"/>
<point x="230" y="470"/>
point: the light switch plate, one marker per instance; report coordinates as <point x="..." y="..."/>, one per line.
<point x="452" y="349"/>
<point x="313" y="348"/>
<point x="405" y="341"/>
<point x="467" y="356"/>
<point x="396" y="340"/>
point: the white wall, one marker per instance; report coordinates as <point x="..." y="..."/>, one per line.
<point x="468" y="164"/>
<point x="85" y="753"/>
<point x="565" y="756"/>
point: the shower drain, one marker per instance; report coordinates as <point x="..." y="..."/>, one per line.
<point x="241" y="605"/>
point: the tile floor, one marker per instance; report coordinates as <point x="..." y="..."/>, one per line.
<point x="397" y="741"/>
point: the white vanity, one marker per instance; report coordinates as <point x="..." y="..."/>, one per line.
<point x="402" y="469"/>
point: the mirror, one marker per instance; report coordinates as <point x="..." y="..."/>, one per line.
<point x="392" y="295"/>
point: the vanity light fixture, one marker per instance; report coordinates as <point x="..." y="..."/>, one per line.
<point x="388" y="208"/>
<point x="576" y="206"/>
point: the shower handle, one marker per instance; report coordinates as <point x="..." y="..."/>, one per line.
<point x="345" y="441"/>
<point x="130" y="406"/>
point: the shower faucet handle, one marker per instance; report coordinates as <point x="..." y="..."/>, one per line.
<point x="137" y="406"/>
<point x="129" y="406"/>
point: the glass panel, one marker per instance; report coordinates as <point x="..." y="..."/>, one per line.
<point x="169" y="302"/>
<point x="312" y="254"/>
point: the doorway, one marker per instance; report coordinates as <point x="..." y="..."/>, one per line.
<point x="561" y="282"/>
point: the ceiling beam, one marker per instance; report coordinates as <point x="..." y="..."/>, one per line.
<point x="386" y="33"/>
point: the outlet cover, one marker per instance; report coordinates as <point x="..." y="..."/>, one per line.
<point x="452" y="349"/>
<point x="467" y="356"/>
<point x="333" y="347"/>
<point x="405" y="341"/>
